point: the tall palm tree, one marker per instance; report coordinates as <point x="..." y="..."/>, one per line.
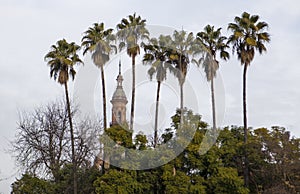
<point x="248" y="36"/>
<point x="61" y="59"/>
<point x="130" y="32"/>
<point x="179" y="56"/>
<point x="213" y="42"/>
<point x="156" y="56"/>
<point x="99" y="41"/>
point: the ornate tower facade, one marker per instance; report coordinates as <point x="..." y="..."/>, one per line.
<point x="119" y="102"/>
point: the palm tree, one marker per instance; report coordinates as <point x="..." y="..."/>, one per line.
<point x="213" y="42"/>
<point x="61" y="59"/>
<point x="130" y="32"/>
<point x="179" y="57"/>
<point x="98" y="41"/>
<point x="156" y="56"/>
<point x="248" y="36"/>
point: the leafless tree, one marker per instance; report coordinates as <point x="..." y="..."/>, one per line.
<point x="43" y="144"/>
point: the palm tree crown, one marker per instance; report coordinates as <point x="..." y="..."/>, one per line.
<point x="98" y="41"/>
<point x="61" y="59"/>
<point x="181" y="50"/>
<point x="156" y="53"/>
<point x="130" y="31"/>
<point x="248" y="36"/>
<point x="212" y="41"/>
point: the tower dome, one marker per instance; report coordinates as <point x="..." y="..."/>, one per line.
<point x="119" y="93"/>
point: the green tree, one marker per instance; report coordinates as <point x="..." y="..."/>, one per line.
<point x="140" y="141"/>
<point x="156" y="55"/>
<point x="130" y="32"/>
<point x="118" y="182"/>
<point x="179" y="183"/>
<point x="186" y="167"/>
<point x="86" y="178"/>
<point x="213" y="42"/>
<point x="203" y="173"/>
<point x="248" y="35"/>
<point x="32" y="185"/>
<point x="226" y="180"/>
<point x="115" y="140"/>
<point x="121" y="135"/>
<point x="99" y="42"/>
<point x="280" y="153"/>
<point x="61" y="59"/>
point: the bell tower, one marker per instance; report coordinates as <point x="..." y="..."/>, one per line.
<point x="119" y="102"/>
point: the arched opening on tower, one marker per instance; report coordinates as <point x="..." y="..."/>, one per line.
<point x="119" y="117"/>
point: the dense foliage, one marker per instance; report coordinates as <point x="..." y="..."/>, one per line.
<point x="273" y="158"/>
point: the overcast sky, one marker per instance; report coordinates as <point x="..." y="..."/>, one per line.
<point x="30" y="27"/>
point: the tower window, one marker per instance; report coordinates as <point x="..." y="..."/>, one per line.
<point x="119" y="117"/>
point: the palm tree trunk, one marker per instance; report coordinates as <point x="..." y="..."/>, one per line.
<point x="103" y="97"/>
<point x="132" y="93"/>
<point x="181" y="104"/>
<point x="181" y="82"/>
<point x="72" y="139"/>
<point x="246" y="168"/>
<point x="156" y="113"/>
<point x="213" y="106"/>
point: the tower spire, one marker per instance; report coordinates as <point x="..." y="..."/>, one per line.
<point x="120" y="77"/>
